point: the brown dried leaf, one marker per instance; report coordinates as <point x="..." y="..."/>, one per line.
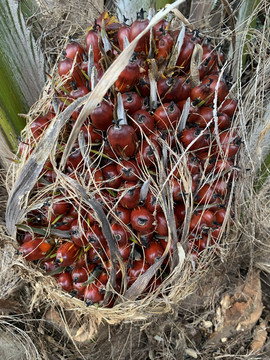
<point x="241" y="311"/>
<point x="9" y="307"/>
<point x="259" y="339"/>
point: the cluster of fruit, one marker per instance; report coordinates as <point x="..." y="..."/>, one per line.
<point x="124" y="163"/>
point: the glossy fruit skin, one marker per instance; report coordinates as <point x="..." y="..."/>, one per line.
<point x="142" y="220"/>
<point x="74" y="50"/>
<point x="34" y="249"/>
<point x="70" y="73"/>
<point x="96" y="256"/>
<point x="60" y="206"/>
<point x="179" y="213"/>
<point x="39" y="125"/>
<point x="184" y="58"/>
<point x="75" y="159"/>
<point x="102" y="116"/>
<point x="151" y="203"/>
<point x="200" y="219"/>
<point x="129" y="197"/>
<point x="220" y="215"/>
<point x="66" y="254"/>
<point x="120" y="234"/>
<point x="132" y="102"/>
<point x="91" y="135"/>
<point x="136" y="28"/>
<point x="122" y="32"/>
<point x="173" y="89"/>
<point x="213" y="82"/>
<point x="143" y="122"/>
<point x="92" y="38"/>
<point x="123" y="140"/>
<point x="230" y="143"/>
<point x="78" y="230"/>
<point x="164" y="46"/>
<point x="64" y="223"/>
<point x="129" y="77"/>
<point x="92" y="294"/>
<point x="201" y="140"/>
<point x="123" y="214"/>
<point x="228" y="107"/>
<point x="111" y="176"/>
<point x="162" y="226"/>
<point x="65" y="281"/>
<point x="129" y="170"/>
<point x="167" y="116"/>
<point x="80" y="274"/>
<point x="79" y="91"/>
<point x="153" y="253"/>
<point x="95" y="237"/>
<point x="148" y="154"/>
<point x="137" y="268"/>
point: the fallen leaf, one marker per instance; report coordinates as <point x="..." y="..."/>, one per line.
<point x="259" y="339"/>
<point x="240" y="311"/>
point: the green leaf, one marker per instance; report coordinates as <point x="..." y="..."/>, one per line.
<point x="21" y="70"/>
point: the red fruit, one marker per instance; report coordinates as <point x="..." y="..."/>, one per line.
<point x="207" y="194"/>
<point x="136" y="28"/>
<point x="230" y="143"/>
<point x="148" y="154"/>
<point x="228" y="107"/>
<point x="80" y="274"/>
<point x="129" y="170"/>
<point x="222" y="165"/>
<point x="124" y="31"/>
<point x="34" y="249"/>
<point x="201" y="243"/>
<point x="123" y="140"/>
<point x="78" y="290"/>
<point x="220" y="216"/>
<point x="92" y="38"/>
<point x="184" y="58"/>
<point x="74" y="50"/>
<point x="70" y="73"/>
<point x="136" y="269"/>
<point x="39" y="125"/>
<point x="194" y="136"/>
<point x="112" y="178"/>
<point x="201" y="95"/>
<point x="143" y="122"/>
<point x="78" y="230"/>
<point x="179" y="214"/>
<point x="173" y="88"/>
<point x="78" y="92"/>
<point x="75" y="159"/>
<point x="153" y="253"/>
<point x="167" y="116"/>
<point x="123" y="214"/>
<point x="213" y="82"/>
<point x="64" y="223"/>
<point x="151" y="203"/>
<point x="92" y="295"/>
<point x="159" y="28"/>
<point x="60" y="206"/>
<point x="132" y="102"/>
<point x="49" y="265"/>
<point x="164" y="46"/>
<point x="95" y="237"/>
<point x="65" y="281"/>
<point x="102" y="116"/>
<point x="120" y="234"/>
<point x="200" y="219"/>
<point x="162" y="226"/>
<point x="129" y="197"/>
<point x="66" y="254"/>
<point x="142" y="220"/>
<point x="129" y="77"/>
<point x="144" y="85"/>
<point x="91" y="135"/>
<point x="202" y="117"/>
<point x="96" y="256"/>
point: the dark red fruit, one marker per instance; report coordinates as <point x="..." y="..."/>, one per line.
<point x="136" y="28"/>
<point x="66" y="254"/>
<point x="92" y="294"/>
<point x="129" y="77"/>
<point x="95" y="237"/>
<point x="65" y="281"/>
<point x="132" y="102"/>
<point x="148" y="154"/>
<point x="136" y="269"/>
<point x="34" y="249"/>
<point x="112" y="178"/>
<point x="129" y="197"/>
<point x="102" y="116"/>
<point x="74" y="50"/>
<point x="123" y="140"/>
<point x="167" y="116"/>
<point x="143" y="122"/>
<point x="154" y="252"/>
<point x="142" y="220"/>
<point x="129" y="170"/>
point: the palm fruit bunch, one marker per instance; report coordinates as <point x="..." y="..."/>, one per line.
<point x="157" y="156"/>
